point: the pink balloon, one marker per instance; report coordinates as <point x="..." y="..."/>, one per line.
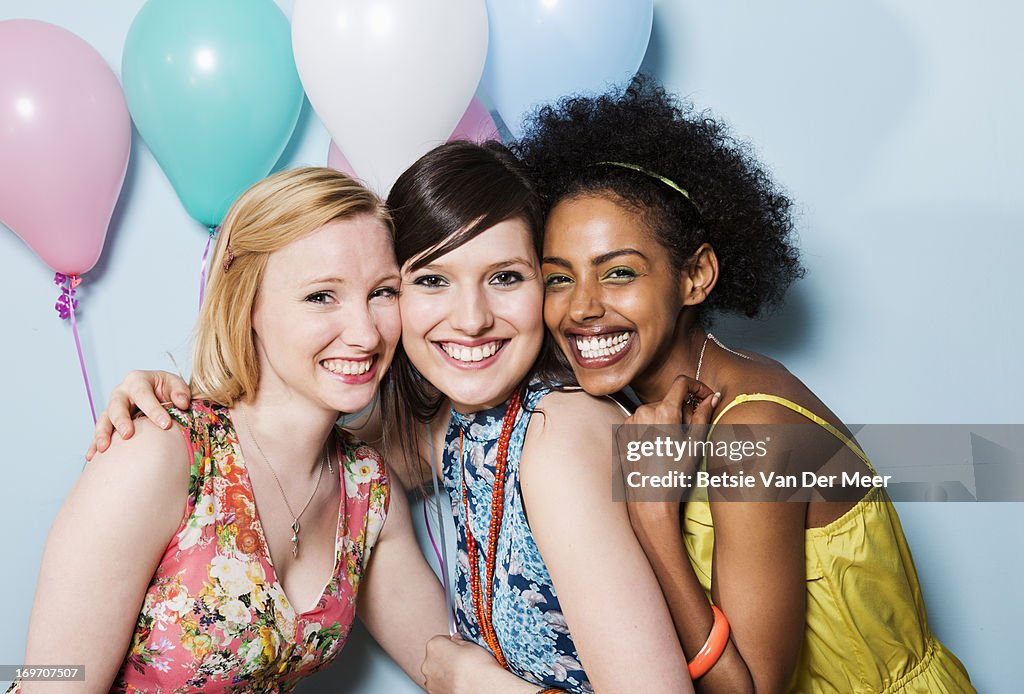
<point x="65" y="136"/>
<point x="336" y="160"/>
<point x="476" y="125"/>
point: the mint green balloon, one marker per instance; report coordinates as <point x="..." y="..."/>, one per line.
<point x="213" y="90"/>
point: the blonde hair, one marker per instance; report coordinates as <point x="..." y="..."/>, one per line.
<point x="273" y="213"/>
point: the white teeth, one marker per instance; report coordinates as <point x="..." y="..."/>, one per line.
<point x="594" y="347"/>
<point x="470" y="354"/>
<point x="348" y="368"/>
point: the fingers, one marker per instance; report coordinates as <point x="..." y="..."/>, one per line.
<point x="172" y="388"/>
<point x="182" y="399"/>
<point x="119" y="413"/>
<point x="687" y="401"/>
<point x="700" y="414"/>
<point x="150" y="405"/>
<point x="100" y="437"/>
<point x="677" y="393"/>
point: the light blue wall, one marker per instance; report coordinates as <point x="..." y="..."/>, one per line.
<point x="894" y="124"/>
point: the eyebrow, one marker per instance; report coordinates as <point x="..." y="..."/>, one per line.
<point x="597" y="260"/>
<point x="330" y="279"/>
<point x="518" y="260"/>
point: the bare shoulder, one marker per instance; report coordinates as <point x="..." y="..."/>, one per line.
<point x="569" y="438"/>
<point x="150" y="463"/>
<point x="763" y="375"/>
<point x="574" y="412"/>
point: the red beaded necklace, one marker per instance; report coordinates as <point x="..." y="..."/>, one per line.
<point x="483" y="605"/>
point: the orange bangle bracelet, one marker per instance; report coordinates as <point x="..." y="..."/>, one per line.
<point x="713" y="648"/>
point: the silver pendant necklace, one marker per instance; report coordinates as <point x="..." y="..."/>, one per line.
<point x="296" y="527"/>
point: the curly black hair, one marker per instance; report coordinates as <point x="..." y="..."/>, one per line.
<point x="734" y="205"/>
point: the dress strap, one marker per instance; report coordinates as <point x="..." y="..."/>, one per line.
<point x="789" y="404"/>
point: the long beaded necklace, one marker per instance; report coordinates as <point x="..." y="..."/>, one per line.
<point x="483" y="604"/>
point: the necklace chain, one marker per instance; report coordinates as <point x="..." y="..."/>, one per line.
<point x="704" y="346"/>
<point x="295" y="516"/>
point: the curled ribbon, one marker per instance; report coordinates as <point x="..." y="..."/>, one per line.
<point x="65" y="307"/>
<point x="66" y="301"/>
<point x="202" y="268"/>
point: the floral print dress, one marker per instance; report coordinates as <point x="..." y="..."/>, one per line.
<point x="215" y="617"/>
<point x="526" y="615"/>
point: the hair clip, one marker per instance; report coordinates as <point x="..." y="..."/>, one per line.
<point x="229" y="256"/>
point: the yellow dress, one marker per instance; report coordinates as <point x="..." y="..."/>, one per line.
<point x="866" y="628"/>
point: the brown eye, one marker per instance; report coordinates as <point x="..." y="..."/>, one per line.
<point x="506" y="278"/>
<point x="384" y="293"/>
<point x="554" y="280"/>
<point x="620" y="273"/>
<point x="430" y="281"/>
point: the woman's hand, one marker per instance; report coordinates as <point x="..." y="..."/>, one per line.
<point x="454" y="666"/>
<point x="688" y="402"/>
<point x="143" y="391"/>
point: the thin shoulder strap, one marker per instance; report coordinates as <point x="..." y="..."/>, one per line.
<point x="789" y="404"/>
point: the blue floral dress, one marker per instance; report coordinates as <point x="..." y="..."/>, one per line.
<point x="526" y="614"/>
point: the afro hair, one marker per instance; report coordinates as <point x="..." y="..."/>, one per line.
<point x="733" y="203"/>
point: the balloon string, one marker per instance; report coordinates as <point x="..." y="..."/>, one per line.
<point x="74" y="280"/>
<point x="430" y="534"/>
<point x="442" y="558"/>
<point x="202" y="268"/>
<point x="441" y="562"/>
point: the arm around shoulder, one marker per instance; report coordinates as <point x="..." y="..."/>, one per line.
<point x="101" y="554"/>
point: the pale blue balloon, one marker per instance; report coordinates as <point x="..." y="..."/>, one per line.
<point x="540" y="50"/>
<point x="213" y="90"/>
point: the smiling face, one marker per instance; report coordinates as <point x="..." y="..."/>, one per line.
<point x="326" y="318"/>
<point x="471" y="319"/>
<point x="613" y="298"/>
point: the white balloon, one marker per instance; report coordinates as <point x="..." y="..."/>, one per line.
<point x="390" y="79"/>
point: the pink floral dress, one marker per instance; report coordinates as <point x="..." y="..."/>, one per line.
<point x="215" y="618"/>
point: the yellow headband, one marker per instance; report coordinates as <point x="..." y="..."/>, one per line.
<point x="658" y="177"/>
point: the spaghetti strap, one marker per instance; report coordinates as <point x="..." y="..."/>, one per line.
<point x="789" y="404"/>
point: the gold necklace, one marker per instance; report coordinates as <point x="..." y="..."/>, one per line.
<point x="295" y="516"/>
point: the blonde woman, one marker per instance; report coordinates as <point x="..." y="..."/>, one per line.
<point x="229" y="551"/>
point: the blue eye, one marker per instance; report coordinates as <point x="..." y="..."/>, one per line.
<point x="430" y="281"/>
<point x="319" y="297"/>
<point x="506" y="278"/>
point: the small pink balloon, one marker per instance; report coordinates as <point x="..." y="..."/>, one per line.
<point x="336" y="160"/>
<point x="476" y="125"/>
<point x="65" y="137"/>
